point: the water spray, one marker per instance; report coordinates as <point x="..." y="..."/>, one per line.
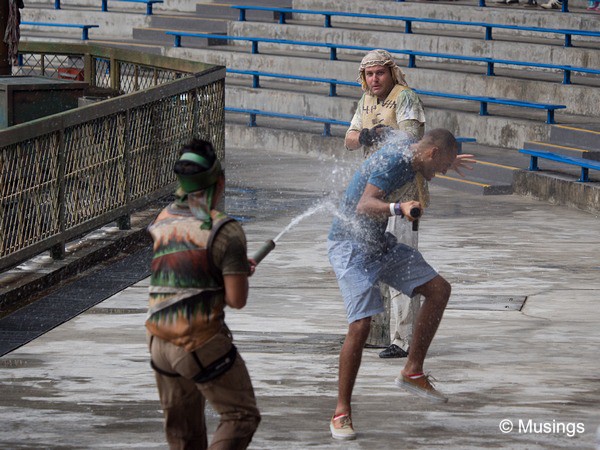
<point x="269" y="245"/>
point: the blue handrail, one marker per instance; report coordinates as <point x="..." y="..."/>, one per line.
<point x="84" y="28"/>
<point x="584" y="164"/>
<point x="104" y="5"/>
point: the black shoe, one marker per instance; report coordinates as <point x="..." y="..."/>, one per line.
<point x="393" y="351"/>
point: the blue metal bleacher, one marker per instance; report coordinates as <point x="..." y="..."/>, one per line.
<point x="84" y="28"/>
<point x="412" y="55"/>
<point x="483" y="101"/>
<point x="408" y="21"/>
<point x="252" y="113"/>
<point x="584" y="164"/>
<point x="104" y="4"/>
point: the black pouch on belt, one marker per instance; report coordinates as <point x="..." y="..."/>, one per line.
<point x="216" y="368"/>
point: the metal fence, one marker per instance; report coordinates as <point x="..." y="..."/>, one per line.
<point x="70" y="173"/>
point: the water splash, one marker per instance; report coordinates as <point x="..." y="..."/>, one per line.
<point x="326" y="203"/>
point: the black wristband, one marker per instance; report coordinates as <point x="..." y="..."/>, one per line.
<point x="398" y="210"/>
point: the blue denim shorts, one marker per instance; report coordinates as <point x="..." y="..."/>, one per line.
<point x="359" y="272"/>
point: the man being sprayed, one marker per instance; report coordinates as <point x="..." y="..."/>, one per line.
<point x="362" y="254"/>
<point x="199" y="267"/>
<point x="389" y="104"/>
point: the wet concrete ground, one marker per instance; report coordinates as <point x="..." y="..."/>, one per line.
<point x="87" y="383"/>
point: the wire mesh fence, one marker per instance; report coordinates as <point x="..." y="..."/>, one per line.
<point x="72" y="172"/>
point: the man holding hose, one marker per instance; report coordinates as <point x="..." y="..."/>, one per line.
<point x="199" y="267"/>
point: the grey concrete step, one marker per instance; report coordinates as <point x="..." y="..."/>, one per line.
<point x="585" y="136"/>
<point x="512" y="84"/>
<point x="223" y="9"/>
<point x="160" y="37"/>
<point x="487" y="177"/>
<point x="473" y="185"/>
<point x="130" y="43"/>
<point x="541" y="53"/>
<point x="504" y="129"/>
<point x="558" y="187"/>
<point x="111" y="25"/>
<point x="189" y="23"/>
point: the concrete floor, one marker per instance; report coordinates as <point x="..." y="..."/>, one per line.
<point x="87" y="383"/>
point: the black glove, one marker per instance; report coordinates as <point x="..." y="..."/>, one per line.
<point x="368" y="137"/>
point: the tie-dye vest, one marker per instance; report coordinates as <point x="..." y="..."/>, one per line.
<point x="186" y="291"/>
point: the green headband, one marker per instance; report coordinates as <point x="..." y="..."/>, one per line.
<point x="202" y="180"/>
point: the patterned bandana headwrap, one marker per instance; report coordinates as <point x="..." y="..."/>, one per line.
<point x="197" y="190"/>
<point x="379" y="58"/>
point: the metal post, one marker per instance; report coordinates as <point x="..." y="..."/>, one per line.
<point x="567" y="40"/>
<point x="483" y="110"/>
<point x="533" y="163"/>
<point x="58" y="251"/>
<point x="567" y="76"/>
<point x="124" y="222"/>
<point x="488" y="33"/>
<point x="5" y="66"/>
<point x="332" y="90"/>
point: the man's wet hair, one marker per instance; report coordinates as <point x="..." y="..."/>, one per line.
<point x="442" y="139"/>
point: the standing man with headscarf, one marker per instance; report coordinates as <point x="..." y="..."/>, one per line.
<point x="389" y="104"/>
<point x="200" y="265"/>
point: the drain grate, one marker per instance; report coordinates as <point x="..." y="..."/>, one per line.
<point x="487" y="302"/>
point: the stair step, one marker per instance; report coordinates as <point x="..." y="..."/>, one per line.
<point x="159" y="36"/>
<point x="583" y="136"/>
<point x="486" y="178"/>
<point x="473" y="186"/>
<point x="190" y="23"/>
<point x="227" y="12"/>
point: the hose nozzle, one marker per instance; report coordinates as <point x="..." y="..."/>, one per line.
<point x="415" y="213"/>
<point x="263" y="251"/>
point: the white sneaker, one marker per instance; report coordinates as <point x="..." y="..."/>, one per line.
<point x="421" y="385"/>
<point x="552" y="4"/>
<point x="341" y="427"/>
